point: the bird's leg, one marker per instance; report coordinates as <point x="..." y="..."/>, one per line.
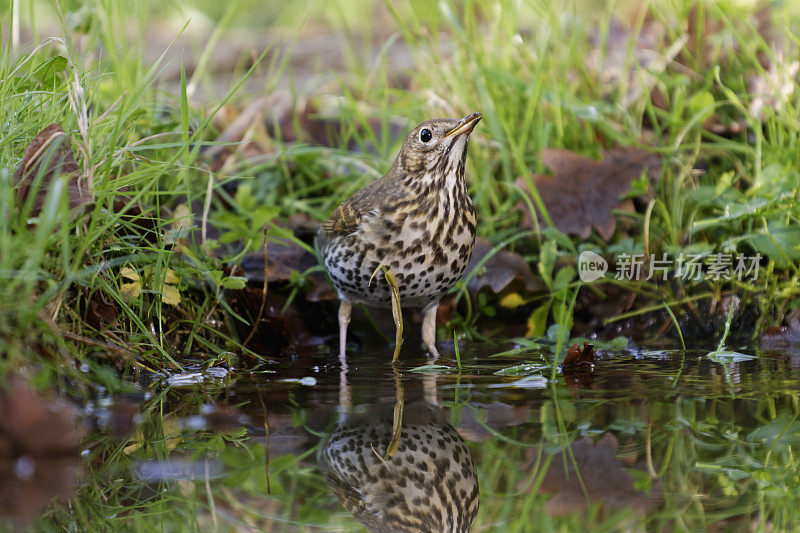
<point x="344" y="319"/>
<point x="429" y="391"/>
<point x="345" y="396"/>
<point x="429" y="328"/>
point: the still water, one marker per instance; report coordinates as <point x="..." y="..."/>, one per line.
<point x="643" y="440"/>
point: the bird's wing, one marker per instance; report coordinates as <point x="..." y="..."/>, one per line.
<point x="344" y="219"/>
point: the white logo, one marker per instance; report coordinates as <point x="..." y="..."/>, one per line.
<point x="591" y="266"/>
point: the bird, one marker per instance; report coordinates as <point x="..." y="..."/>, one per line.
<point x="418" y="221"/>
<point x="429" y="483"/>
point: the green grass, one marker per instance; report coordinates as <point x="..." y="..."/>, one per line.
<point x="138" y="157"/>
<point x="527" y="68"/>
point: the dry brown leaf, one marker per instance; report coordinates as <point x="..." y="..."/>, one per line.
<point x="100" y="311"/>
<point x="500" y="269"/>
<point x="577" y="356"/>
<point x="283" y="258"/>
<point x="39" y="440"/>
<point x="37" y="425"/>
<point x="236" y="127"/>
<point x="29" y="485"/>
<point x="320" y="288"/>
<point x="278" y="328"/>
<point x="582" y="192"/>
<point x="142" y="224"/>
<point x="785" y="338"/>
<point x="578" y="368"/>
<point x="605" y="478"/>
<point x="182" y="224"/>
<point x="620" y="57"/>
<point x="223" y="418"/>
<point x="51" y="147"/>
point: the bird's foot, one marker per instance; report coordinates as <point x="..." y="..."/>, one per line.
<point x="433" y="353"/>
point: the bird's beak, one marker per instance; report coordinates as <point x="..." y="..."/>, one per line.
<point x="464" y="125"/>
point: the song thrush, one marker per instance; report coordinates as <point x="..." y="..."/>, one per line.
<point x="417" y="221"/>
<point x="430" y="483"/>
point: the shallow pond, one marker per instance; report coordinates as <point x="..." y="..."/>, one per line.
<point x="643" y="440"/>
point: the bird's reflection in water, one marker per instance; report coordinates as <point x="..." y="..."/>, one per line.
<point x="428" y="483"/>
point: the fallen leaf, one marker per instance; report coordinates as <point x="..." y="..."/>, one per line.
<point x="512" y="300"/>
<point x="171" y="277"/>
<point x="785" y="338"/>
<point x="130" y="290"/>
<point x="39" y="442"/>
<point x="129" y="273"/>
<point x="170" y="294"/>
<point x="499" y="270"/>
<point x="99" y="311"/>
<point x="577" y="356"/>
<point x="604" y="478"/>
<point x="137" y="223"/>
<point x="537" y="320"/>
<point x="283" y="258"/>
<point x="321" y="127"/>
<point x="182" y="223"/>
<point x="582" y="192"/>
<point x="50" y="155"/>
<point x="578" y="367"/>
<point x="223" y="418"/>
<point x="278" y="328"/>
<point x="36" y="424"/>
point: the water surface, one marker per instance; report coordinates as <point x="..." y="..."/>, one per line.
<point x="655" y="440"/>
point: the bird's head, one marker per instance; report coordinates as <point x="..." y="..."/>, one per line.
<point x="437" y="146"/>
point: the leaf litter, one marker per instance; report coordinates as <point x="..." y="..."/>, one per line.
<point x="582" y="192"/>
<point x="39" y="443"/>
<point x="604" y="479"/>
<point x="49" y="156"/>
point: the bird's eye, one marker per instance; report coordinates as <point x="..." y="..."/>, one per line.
<point x="425" y="135"/>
